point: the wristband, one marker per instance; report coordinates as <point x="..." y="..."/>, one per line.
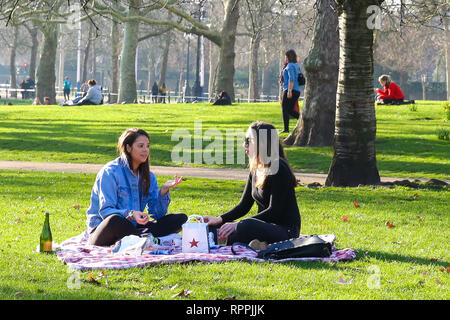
<point x="130" y="214"/>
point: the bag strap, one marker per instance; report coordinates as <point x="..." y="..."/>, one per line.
<point x="242" y="245"/>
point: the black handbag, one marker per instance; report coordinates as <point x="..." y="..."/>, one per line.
<point x="305" y="247"/>
<point x="301" y="79"/>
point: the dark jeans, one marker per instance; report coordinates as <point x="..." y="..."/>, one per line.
<point x="251" y="228"/>
<point x="392" y="101"/>
<point x="287" y="105"/>
<point x="115" y="227"/>
<point x="67" y="94"/>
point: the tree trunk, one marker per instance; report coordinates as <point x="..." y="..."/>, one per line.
<point x="225" y="72"/>
<point x="423" y="79"/>
<point x="45" y="74"/>
<point x="354" y="158"/>
<point x="162" y="75"/>
<point x="447" y="57"/>
<point x="86" y="55"/>
<point x="315" y="126"/>
<point x="404" y="83"/>
<point x="212" y="70"/>
<point x="115" y="51"/>
<point x="253" y="89"/>
<point x="34" y="50"/>
<point x="127" y="87"/>
<point x="12" y="64"/>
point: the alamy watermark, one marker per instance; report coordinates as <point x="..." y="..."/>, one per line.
<point x="190" y="148"/>
<point x="374" y="20"/>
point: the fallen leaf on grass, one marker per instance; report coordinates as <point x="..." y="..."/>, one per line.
<point x="18" y="220"/>
<point x="18" y="294"/>
<point x="342" y="281"/>
<point x="390" y="225"/>
<point x="76" y="207"/>
<point x="415" y="196"/>
<point x="437" y="281"/>
<point x="26" y="212"/>
<point x="448" y="269"/>
<point x="356" y="204"/>
<point x="345" y="218"/>
<point x="379" y="203"/>
<point x="182" y="293"/>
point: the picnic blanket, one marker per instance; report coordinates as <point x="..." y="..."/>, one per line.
<point x="79" y="255"/>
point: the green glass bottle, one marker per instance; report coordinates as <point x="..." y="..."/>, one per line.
<point x="46" y="236"/>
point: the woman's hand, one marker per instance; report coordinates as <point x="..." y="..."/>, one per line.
<point x="170" y="184"/>
<point x="140" y="217"/>
<point x="227" y="229"/>
<point x="212" y="221"/>
<point x="289" y="94"/>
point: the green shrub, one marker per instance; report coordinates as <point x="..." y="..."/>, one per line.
<point x="446" y="106"/>
<point x="443" y="134"/>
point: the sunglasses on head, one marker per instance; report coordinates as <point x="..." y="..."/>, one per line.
<point x="247" y="141"/>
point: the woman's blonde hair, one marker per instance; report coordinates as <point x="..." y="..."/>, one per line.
<point x="385" y="78"/>
<point x="257" y="165"/>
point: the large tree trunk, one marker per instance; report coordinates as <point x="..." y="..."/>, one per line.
<point x="127" y="88"/>
<point x="45" y="74"/>
<point x="212" y="70"/>
<point x="12" y="64"/>
<point x="354" y="158"/>
<point x="253" y="89"/>
<point x="225" y="72"/>
<point x="404" y="83"/>
<point x="315" y="126"/>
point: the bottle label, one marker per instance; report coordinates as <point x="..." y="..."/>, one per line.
<point x="47" y="246"/>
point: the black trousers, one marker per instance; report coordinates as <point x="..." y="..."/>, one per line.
<point x="287" y="105"/>
<point x="115" y="227"/>
<point x="251" y="228"/>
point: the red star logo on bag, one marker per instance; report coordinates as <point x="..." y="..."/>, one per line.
<point x="194" y="243"/>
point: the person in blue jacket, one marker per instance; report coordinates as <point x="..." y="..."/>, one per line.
<point x="291" y="88"/>
<point x="123" y="189"/>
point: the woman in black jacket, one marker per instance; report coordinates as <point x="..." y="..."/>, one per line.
<point x="271" y="184"/>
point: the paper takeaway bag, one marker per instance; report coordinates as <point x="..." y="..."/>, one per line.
<point x="195" y="236"/>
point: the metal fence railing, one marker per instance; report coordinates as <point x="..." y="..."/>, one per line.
<point x="142" y="96"/>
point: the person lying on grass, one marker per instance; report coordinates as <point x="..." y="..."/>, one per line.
<point x="271" y="183"/>
<point x="122" y="190"/>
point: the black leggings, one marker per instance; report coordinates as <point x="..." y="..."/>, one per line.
<point x="287" y="105"/>
<point x="251" y="228"/>
<point x="115" y="227"/>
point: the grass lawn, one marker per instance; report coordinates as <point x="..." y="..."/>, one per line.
<point x="412" y="259"/>
<point x="407" y="143"/>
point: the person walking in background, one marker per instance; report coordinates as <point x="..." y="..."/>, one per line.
<point x="163" y="91"/>
<point x="155" y="90"/>
<point x="67" y="84"/>
<point x="291" y="88"/>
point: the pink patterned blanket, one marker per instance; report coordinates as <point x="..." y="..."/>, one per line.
<point x="79" y="255"/>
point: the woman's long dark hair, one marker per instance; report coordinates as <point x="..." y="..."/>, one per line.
<point x="128" y="137"/>
<point x="269" y="128"/>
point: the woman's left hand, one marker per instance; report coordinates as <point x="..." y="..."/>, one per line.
<point x="289" y="94"/>
<point x="227" y="229"/>
<point x="170" y="184"/>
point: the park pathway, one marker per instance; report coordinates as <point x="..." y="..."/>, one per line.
<point x="211" y="173"/>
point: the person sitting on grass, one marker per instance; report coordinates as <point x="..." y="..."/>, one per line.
<point x="122" y="190"/>
<point x="47" y="101"/>
<point x="223" y="100"/>
<point x="271" y="184"/>
<point x="392" y="94"/>
<point x="94" y="96"/>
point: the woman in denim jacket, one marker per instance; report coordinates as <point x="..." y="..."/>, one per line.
<point x="123" y="189"/>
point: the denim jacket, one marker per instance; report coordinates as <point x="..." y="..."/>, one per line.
<point x="116" y="191"/>
<point x="290" y="74"/>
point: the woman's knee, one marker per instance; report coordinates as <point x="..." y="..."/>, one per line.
<point x="245" y="226"/>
